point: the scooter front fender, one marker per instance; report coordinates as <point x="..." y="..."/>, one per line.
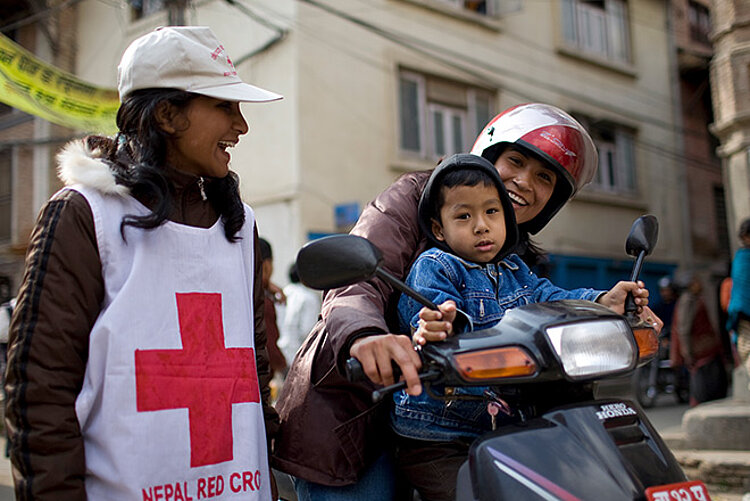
<point x="602" y="450"/>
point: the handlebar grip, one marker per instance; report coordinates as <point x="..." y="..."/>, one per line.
<point x="630" y="307"/>
<point x="355" y="373"/>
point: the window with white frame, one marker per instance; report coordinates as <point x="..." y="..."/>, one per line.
<point x="598" y="27"/>
<point x="439" y="117"/>
<point x="616" y="147"/>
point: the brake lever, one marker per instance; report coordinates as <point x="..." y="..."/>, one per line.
<point x="378" y="395"/>
<point x="355" y="373"/>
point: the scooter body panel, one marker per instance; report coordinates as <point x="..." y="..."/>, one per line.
<point x="602" y="450"/>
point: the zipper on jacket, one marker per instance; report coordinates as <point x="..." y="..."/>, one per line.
<point x="481" y="307"/>
<point x="200" y="186"/>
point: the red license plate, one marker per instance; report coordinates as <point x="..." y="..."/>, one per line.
<point x="681" y="491"/>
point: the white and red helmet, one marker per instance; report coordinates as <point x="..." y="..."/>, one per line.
<point x="551" y="135"/>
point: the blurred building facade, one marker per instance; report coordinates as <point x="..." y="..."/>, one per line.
<point x="28" y="144"/>
<point x="731" y="102"/>
<point x="709" y="236"/>
<point x="376" y="88"/>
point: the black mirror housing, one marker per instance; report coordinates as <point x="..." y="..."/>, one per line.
<point x="337" y="261"/>
<point x="643" y="236"/>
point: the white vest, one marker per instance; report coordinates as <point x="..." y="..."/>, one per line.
<point x="170" y="406"/>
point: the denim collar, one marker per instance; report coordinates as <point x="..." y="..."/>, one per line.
<point x="477" y="266"/>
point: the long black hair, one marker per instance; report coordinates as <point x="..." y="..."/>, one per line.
<point x="139" y="157"/>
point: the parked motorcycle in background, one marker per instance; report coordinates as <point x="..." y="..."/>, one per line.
<point x="541" y="361"/>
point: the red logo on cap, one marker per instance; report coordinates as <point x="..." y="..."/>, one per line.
<point x="220" y="51"/>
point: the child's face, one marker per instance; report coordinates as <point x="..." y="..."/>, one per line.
<point x="473" y="224"/>
<point x="201" y="133"/>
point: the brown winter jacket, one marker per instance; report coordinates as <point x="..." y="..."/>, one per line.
<point x="330" y="430"/>
<point x="57" y="306"/>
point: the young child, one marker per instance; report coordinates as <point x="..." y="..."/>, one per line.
<point x="467" y="214"/>
<point x="137" y="362"/>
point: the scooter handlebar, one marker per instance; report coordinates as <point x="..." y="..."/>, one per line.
<point x="355" y="373"/>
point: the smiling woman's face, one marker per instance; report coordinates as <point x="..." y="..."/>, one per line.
<point x="201" y="133"/>
<point x="529" y="182"/>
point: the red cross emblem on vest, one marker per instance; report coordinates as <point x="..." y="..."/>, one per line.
<point x="204" y="377"/>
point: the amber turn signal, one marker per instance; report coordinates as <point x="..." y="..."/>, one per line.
<point x="648" y="343"/>
<point x="496" y="363"/>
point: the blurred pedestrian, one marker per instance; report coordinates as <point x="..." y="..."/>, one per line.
<point x="137" y="364"/>
<point x="275" y="356"/>
<point x="301" y="312"/>
<point x="739" y="303"/>
<point x="696" y="342"/>
<point x="664" y="309"/>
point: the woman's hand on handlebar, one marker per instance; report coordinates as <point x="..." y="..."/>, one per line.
<point x="614" y="299"/>
<point x="376" y="352"/>
<point x="435" y="325"/>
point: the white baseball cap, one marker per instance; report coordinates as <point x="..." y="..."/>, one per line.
<point x="188" y="58"/>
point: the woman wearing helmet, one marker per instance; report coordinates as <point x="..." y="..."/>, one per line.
<point x="333" y="438"/>
<point x="550" y="144"/>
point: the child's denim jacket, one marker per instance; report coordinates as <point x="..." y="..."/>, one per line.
<point x="484" y="292"/>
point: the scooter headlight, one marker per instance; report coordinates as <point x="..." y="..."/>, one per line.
<point x="595" y="348"/>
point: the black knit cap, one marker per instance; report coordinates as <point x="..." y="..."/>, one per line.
<point x="431" y="191"/>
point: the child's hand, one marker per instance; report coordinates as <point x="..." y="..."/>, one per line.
<point x="615" y="298"/>
<point x="435" y="325"/>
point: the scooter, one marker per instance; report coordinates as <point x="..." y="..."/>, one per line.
<point x="541" y="361"/>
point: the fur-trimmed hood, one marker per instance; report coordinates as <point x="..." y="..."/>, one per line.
<point x="83" y="162"/>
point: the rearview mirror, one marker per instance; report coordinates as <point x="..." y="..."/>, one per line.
<point x="337" y="261"/>
<point x="643" y="236"/>
<point x="641" y="241"/>
<point x="340" y="260"/>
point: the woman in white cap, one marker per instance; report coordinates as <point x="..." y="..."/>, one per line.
<point x="137" y="361"/>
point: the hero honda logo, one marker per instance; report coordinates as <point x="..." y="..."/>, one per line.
<point x="610" y="411"/>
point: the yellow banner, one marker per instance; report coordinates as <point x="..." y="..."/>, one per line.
<point x="37" y="88"/>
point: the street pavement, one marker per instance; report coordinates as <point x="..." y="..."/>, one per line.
<point x="6" y="480"/>
<point x="666" y="417"/>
